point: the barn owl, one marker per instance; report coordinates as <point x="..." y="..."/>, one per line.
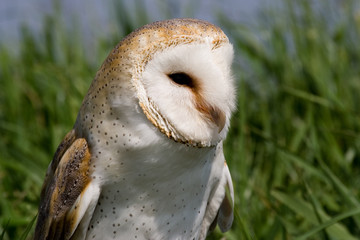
<point x="144" y="159"/>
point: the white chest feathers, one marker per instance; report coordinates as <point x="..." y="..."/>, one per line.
<point x="157" y="196"/>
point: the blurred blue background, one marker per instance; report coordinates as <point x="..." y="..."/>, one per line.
<point x="95" y="20"/>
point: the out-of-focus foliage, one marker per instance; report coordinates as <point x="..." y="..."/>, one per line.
<point x="294" y="143"/>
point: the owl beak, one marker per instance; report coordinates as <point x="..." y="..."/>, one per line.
<point x="212" y="113"/>
<point x="218" y="117"/>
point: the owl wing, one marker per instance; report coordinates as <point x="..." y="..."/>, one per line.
<point x="220" y="206"/>
<point x="226" y="211"/>
<point x="68" y="197"/>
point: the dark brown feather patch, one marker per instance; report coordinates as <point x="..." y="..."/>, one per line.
<point x="68" y="176"/>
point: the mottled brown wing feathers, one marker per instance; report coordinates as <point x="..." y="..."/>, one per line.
<point x="67" y="176"/>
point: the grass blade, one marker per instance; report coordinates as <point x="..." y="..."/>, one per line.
<point x="28" y="229"/>
<point x="328" y="223"/>
<point x="304" y="209"/>
<point x="4" y="230"/>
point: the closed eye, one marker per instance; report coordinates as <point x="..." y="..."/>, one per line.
<point x="182" y="79"/>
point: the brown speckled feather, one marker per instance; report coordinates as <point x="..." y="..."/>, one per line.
<point x="67" y="177"/>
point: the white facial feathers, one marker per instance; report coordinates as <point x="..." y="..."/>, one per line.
<point x="202" y="110"/>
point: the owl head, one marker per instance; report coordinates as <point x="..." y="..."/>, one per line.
<point x="180" y="71"/>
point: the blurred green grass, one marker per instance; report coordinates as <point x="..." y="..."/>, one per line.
<point x="294" y="144"/>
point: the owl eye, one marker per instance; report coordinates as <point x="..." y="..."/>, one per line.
<point x="182" y="79"/>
